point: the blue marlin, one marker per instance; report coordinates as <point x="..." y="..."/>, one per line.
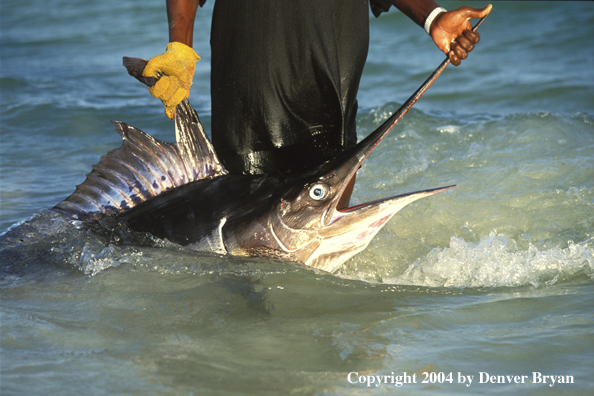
<point x="181" y="191"/>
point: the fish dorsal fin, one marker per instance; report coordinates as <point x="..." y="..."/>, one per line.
<point x="144" y="167"/>
<point x="195" y="149"/>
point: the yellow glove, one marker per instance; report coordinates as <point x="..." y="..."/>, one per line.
<point x="174" y="68"/>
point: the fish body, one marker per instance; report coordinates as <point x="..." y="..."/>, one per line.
<point x="180" y="191"/>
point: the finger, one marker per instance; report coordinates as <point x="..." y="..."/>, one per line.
<point x="465" y="43"/>
<point x="170" y="112"/>
<point x="162" y="64"/>
<point x="151" y="70"/>
<point x="165" y="88"/>
<point x="454" y="58"/>
<point x="179" y="95"/>
<point x="470" y="13"/>
<point x="475" y="37"/>
<point x="459" y="51"/>
<point x="161" y="87"/>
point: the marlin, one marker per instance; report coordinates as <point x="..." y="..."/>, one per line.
<point x="181" y="191"/>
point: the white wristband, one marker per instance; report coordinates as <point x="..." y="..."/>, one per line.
<point x="431" y="17"/>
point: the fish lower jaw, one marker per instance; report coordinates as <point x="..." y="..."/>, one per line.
<point x="335" y="250"/>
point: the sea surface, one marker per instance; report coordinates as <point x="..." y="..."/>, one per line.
<point x="485" y="289"/>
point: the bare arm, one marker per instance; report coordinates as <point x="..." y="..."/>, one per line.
<point x="180" y="16"/>
<point x="174" y="69"/>
<point x="416" y="10"/>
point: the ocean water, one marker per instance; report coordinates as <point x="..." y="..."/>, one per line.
<point x="485" y="289"/>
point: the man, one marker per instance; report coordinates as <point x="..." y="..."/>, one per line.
<point x="285" y="73"/>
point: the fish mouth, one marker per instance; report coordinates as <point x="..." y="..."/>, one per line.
<point x="424" y="193"/>
<point x="350" y="229"/>
<point x="347" y="231"/>
<point x="361" y="222"/>
<point x="374" y="214"/>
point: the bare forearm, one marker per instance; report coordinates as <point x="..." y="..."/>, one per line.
<point x="180" y="16"/>
<point x="417" y="10"/>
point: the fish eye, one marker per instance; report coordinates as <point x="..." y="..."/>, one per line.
<point x="318" y="191"/>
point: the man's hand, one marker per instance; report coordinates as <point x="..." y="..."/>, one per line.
<point x="174" y="70"/>
<point x="451" y="32"/>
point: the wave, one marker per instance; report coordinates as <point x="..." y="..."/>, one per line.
<point x="496" y="261"/>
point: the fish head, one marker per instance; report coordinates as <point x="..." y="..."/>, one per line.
<point x="302" y="220"/>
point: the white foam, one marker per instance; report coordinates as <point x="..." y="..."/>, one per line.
<point x="497" y="261"/>
<point x="449" y="129"/>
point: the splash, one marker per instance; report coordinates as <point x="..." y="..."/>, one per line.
<point x="496" y="261"/>
<point x="53" y="238"/>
